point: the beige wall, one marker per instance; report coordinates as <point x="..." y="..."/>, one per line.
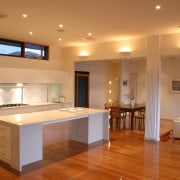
<point x="169" y="101"/>
<point x="64" y="59"/>
<point x="139" y="67"/>
<point x="101" y="52"/>
<point x="169" y="46"/>
<point x="101" y="72"/>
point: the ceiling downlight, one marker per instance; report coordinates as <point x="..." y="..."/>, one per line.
<point x="3" y="15"/>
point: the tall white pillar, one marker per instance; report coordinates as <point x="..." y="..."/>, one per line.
<point x="152" y="124"/>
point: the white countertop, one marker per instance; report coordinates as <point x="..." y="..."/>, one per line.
<point x="35" y="104"/>
<point x="50" y="116"/>
<point x="47" y="103"/>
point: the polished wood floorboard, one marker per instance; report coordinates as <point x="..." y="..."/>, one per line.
<point x="126" y="156"/>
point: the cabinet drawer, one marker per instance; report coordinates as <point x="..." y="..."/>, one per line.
<point x="5" y="151"/>
<point x="4" y="146"/>
<point x="4" y="131"/>
<point x="5" y="143"/>
<point x="5" y="155"/>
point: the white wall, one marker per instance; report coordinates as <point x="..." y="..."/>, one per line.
<point x="109" y="50"/>
<point x="103" y="51"/>
<point x="139" y="67"/>
<point x="63" y="59"/>
<point x="100" y="74"/>
<point x="170" y="102"/>
<point x="25" y="70"/>
<point x="169" y="69"/>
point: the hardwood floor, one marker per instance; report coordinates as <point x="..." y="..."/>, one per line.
<point x="126" y="156"/>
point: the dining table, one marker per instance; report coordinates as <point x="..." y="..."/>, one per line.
<point x="131" y="109"/>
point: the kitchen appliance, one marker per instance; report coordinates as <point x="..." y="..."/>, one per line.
<point x="12" y="105"/>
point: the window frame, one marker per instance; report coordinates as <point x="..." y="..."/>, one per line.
<point x="23" y="46"/>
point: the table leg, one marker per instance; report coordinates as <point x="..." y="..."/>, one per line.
<point x="132" y="119"/>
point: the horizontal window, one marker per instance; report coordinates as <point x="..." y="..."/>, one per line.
<point x="35" y="51"/>
<point x="10" y="48"/>
<point x="23" y="49"/>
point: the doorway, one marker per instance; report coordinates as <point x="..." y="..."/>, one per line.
<point x="81" y="89"/>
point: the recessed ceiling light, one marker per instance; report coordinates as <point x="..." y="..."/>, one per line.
<point x="61" y="26"/>
<point x="30" y="33"/>
<point x="60" y="39"/>
<point x="88" y="37"/>
<point x="24" y="15"/>
<point x="3" y="15"/>
<point x="158" y="7"/>
<point x="61" y="29"/>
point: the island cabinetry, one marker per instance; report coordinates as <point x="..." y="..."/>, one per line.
<point x="5" y="143"/>
<point x="90" y="129"/>
<point x="21" y="135"/>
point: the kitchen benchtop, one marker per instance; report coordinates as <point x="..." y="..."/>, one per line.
<point x="35" y="104"/>
<point x="50" y="116"/>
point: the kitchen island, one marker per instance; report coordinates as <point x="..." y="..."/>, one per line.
<point x="21" y="135"/>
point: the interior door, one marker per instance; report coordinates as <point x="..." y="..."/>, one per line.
<point x="81" y="89"/>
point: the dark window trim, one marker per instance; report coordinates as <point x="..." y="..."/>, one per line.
<point x="23" y="44"/>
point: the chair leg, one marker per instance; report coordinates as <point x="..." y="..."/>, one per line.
<point x="142" y="124"/>
<point x="124" y="123"/>
<point x="118" y="123"/>
<point x="139" y="124"/>
<point x="110" y="122"/>
<point x="135" y="120"/>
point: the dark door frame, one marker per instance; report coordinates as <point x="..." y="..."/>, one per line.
<point x="80" y="74"/>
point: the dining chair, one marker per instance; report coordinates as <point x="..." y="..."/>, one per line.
<point x="139" y="119"/>
<point x="117" y="103"/>
<point x="107" y="106"/>
<point x="122" y="113"/>
<point x="119" y="116"/>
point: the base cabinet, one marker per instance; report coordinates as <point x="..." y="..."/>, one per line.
<point x="5" y="143"/>
<point x="21" y="140"/>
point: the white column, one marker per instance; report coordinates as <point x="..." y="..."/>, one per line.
<point x="152" y="124"/>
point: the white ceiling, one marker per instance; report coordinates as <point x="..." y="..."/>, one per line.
<point x="107" y="20"/>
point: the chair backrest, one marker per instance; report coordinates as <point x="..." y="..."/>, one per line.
<point x="114" y="104"/>
<point x="117" y="112"/>
<point x="107" y="106"/>
<point x="141" y="112"/>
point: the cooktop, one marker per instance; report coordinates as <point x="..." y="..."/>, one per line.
<point x="12" y="105"/>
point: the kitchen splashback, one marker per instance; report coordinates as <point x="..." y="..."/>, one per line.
<point x="10" y="95"/>
<point x="35" y="94"/>
<point x="28" y="94"/>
